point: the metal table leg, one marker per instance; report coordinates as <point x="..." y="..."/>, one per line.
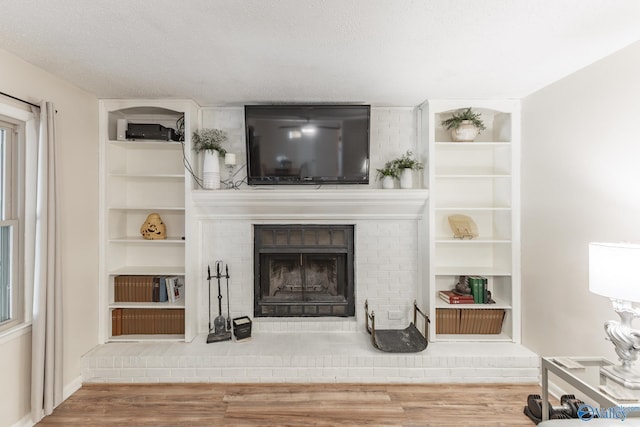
<point x="545" y="390"/>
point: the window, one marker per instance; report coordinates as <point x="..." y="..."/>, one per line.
<point x="11" y="290"/>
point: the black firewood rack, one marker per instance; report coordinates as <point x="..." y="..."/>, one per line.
<point x="408" y="340"/>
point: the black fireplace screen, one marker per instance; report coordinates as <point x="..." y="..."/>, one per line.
<point x="304" y="270"/>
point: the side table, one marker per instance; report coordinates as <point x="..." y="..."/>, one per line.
<point x="583" y="373"/>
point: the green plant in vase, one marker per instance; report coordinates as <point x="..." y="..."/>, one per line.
<point x="209" y="142"/>
<point x="388" y="174"/>
<point x="405" y="166"/>
<point x="464" y="125"/>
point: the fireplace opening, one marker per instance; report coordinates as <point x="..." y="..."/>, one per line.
<point x="303" y="270"/>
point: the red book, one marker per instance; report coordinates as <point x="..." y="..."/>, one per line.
<point x="453" y="298"/>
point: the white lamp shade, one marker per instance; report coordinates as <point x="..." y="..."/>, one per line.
<point x="230" y="159"/>
<point x="614" y="270"/>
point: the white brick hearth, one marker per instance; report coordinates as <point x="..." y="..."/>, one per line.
<point x="318" y="357"/>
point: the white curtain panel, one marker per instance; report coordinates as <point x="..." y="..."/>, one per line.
<point x="46" y="369"/>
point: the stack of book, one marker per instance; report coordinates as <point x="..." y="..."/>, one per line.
<point x="136" y="288"/>
<point x="479" y="292"/>
<point x="131" y="321"/>
<point x="478" y="285"/>
<point x="451" y="297"/>
<point x="469" y="321"/>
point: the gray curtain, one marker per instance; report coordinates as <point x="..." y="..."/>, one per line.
<point x="46" y="368"/>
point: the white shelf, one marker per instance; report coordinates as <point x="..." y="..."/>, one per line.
<point x="147" y="208"/>
<point x="140" y="240"/>
<point x="150" y="305"/>
<point x="147" y="176"/>
<point x="151" y="337"/>
<point x="498" y="305"/>
<point x="473" y="337"/>
<point x="147" y="144"/>
<point x="479" y="179"/>
<point x="156" y="270"/>
<point x="139" y="177"/>
<point x="470" y="208"/>
<point x="469" y="270"/>
<point x="466" y="145"/>
<point x="312" y="203"/>
<point x="475" y="241"/>
<point x="474" y="174"/>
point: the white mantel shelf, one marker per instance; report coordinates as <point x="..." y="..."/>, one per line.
<point x="311" y="204"/>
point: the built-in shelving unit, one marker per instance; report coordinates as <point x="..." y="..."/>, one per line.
<point x="140" y="177"/>
<point x="479" y="179"/>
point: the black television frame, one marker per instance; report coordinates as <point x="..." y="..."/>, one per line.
<point x="273" y="180"/>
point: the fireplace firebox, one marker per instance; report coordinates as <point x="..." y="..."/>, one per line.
<point x="303" y="270"/>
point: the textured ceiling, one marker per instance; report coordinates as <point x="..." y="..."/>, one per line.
<point x="383" y="52"/>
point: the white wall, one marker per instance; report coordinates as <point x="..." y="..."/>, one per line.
<point x="580" y="183"/>
<point x="77" y="137"/>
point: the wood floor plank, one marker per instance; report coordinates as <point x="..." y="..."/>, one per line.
<point x="284" y="396"/>
<point x="282" y="405"/>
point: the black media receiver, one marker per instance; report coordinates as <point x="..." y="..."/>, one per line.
<point x="150" y="131"/>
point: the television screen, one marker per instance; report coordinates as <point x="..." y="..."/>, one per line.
<point x="307" y="144"/>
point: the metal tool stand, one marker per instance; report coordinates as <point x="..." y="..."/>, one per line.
<point x="220" y="331"/>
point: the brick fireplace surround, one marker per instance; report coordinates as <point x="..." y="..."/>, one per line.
<point x="390" y="253"/>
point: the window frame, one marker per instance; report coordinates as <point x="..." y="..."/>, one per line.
<point x="12" y="214"/>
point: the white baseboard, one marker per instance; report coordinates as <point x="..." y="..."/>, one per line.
<point x="71" y="388"/>
<point x="24" y="422"/>
<point x="67" y="391"/>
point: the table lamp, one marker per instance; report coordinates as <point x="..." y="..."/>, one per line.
<point x="614" y="272"/>
<point x="230" y="164"/>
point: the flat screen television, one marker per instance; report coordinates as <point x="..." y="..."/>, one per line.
<point x="307" y="144"/>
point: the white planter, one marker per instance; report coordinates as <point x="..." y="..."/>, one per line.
<point x="387" y="182"/>
<point x="406" y="178"/>
<point x="211" y="170"/>
<point x="466" y="132"/>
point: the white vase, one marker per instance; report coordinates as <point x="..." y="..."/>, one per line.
<point x="387" y="182"/>
<point x="211" y="170"/>
<point x="406" y="178"/>
<point x="466" y="132"/>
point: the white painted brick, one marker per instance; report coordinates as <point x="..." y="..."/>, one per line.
<point x="117" y="380"/>
<point x="333" y="373"/>
<point x="205" y="361"/>
<point x="144" y="380"/>
<point x="360" y="372"/>
<point x="309" y="372"/>
<point x="208" y="372"/>
<point x="156" y="372"/>
<point x="234" y="372"/>
<point x="104" y="362"/>
<point x="259" y="372"/>
<point x="436" y="373"/>
<point x="133" y="372"/>
<point x="386" y="372"/>
<point x="155" y="362"/>
<point x="412" y="373"/>
<point x="284" y="372"/>
<point x="170" y="380"/>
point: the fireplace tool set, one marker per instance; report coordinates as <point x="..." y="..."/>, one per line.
<point x="221" y="330"/>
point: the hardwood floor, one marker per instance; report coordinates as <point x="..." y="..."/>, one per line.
<point x="295" y="405"/>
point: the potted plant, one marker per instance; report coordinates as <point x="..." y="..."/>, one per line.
<point x="405" y="165"/>
<point x="209" y="141"/>
<point x="387" y="174"/>
<point x="464" y="125"/>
